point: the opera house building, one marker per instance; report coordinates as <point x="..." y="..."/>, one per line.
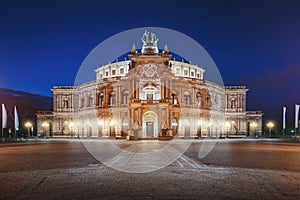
<point x="149" y="95"/>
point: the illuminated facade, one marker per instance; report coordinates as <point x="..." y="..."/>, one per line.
<point x="150" y="95"/>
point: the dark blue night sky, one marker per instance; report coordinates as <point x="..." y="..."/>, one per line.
<point x="254" y="43"/>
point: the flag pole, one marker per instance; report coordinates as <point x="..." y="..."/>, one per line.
<point x="16" y="134"/>
<point x="3" y="138"/>
<point x="4" y="121"/>
<point x="16" y="121"/>
<point x="2" y="125"/>
<point x="283" y="120"/>
<point x="296" y="117"/>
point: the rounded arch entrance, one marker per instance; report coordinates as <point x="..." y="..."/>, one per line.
<point x="125" y="123"/>
<point x="187" y="128"/>
<point x="174" y="126"/>
<point x="150" y="124"/>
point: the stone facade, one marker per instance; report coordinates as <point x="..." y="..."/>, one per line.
<point x="238" y="120"/>
<point x="149" y="95"/>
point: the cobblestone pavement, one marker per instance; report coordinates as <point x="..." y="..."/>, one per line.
<point x="237" y="169"/>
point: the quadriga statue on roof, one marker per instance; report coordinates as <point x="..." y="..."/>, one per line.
<point x="149" y="43"/>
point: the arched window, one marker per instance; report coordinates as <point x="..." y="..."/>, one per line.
<point x="187" y="98"/>
<point x="100" y="99"/>
<point x="91" y="99"/>
<point x="81" y="102"/>
<point x="174" y="126"/>
<point x="208" y="100"/>
<point x="150" y="92"/>
<point x="217" y="97"/>
<point x="87" y="100"/>
<point x="66" y="103"/>
<point x="187" y="127"/>
<point x="112" y="98"/>
<point x="174" y="98"/>
<point x="198" y="98"/>
<point x="125" y="94"/>
<point x="232" y="103"/>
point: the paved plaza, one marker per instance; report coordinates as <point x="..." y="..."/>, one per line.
<point x="233" y="169"/>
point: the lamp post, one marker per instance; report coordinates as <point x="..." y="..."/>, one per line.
<point x="270" y="125"/>
<point x="253" y="126"/>
<point x="45" y="126"/>
<point x="31" y="131"/>
<point x="28" y="125"/>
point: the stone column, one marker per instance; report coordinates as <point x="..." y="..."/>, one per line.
<point x="169" y="122"/>
<point x="244" y="102"/>
<point x="194" y="126"/>
<point x="55" y="102"/>
<point x="166" y="89"/>
<point x="97" y="98"/>
<point x="131" y="122"/>
<point x="240" y="104"/>
<point x="137" y="87"/>
<point x="139" y="117"/>
<point x="106" y="96"/>
<point x="132" y="89"/>
<point x="118" y="126"/>
<point x="180" y="98"/>
<point x="118" y="96"/>
<point x="161" y="89"/>
<point x="58" y="101"/>
<point x="169" y="89"/>
<point x="193" y="97"/>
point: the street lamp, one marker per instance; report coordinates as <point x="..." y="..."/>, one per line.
<point x="270" y="125"/>
<point x="28" y="125"/>
<point x="253" y="126"/>
<point x="45" y="125"/>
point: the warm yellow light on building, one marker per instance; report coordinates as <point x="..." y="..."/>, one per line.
<point x="253" y="124"/>
<point x="227" y="124"/>
<point x="28" y="125"/>
<point x="200" y="122"/>
<point x="71" y="124"/>
<point x="45" y="124"/>
<point x="270" y="125"/>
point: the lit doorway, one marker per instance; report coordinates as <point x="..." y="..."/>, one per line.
<point x="174" y="126"/>
<point x="187" y="128"/>
<point x="89" y="131"/>
<point x="112" y="131"/>
<point x="150" y="127"/>
<point x="100" y="131"/>
<point x="124" y="127"/>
